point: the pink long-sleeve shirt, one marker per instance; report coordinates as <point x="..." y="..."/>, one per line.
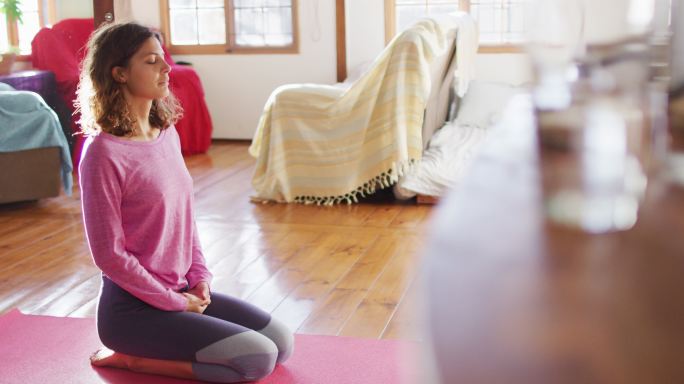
<point x="137" y="201"/>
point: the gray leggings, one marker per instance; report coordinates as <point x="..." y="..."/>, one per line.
<point x="233" y="341"/>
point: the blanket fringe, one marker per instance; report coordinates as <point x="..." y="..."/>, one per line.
<point x="384" y="180"/>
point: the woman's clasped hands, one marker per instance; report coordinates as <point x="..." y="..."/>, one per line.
<point x="198" y="297"/>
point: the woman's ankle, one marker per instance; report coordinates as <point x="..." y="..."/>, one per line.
<point x="135" y="364"/>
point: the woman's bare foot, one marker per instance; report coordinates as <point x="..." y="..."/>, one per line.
<point x="105" y="357"/>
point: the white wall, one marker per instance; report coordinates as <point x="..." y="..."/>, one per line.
<point x="67" y="9"/>
<point x="237" y="86"/>
<point x="365" y="30"/>
<point x="143" y="11"/>
<point x="510" y="68"/>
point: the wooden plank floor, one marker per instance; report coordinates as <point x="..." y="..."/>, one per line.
<point x="343" y="270"/>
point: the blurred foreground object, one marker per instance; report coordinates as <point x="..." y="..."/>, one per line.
<point x="600" y="113"/>
<point x="515" y="298"/>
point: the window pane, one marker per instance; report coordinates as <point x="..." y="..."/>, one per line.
<point x="517" y="24"/>
<point x="485" y="17"/>
<point x="409" y="14"/>
<point x="184" y="27"/>
<point x="499" y="21"/>
<point x="28" y="6"/>
<point x="442" y="9"/>
<point x="175" y="4"/>
<point x="410" y="11"/>
<point x="247" y="3"/>
<point x="278" y="26"/>
<point x="278" y="21"/>
<point x="262" y="25"/>
<point x="27" y="30"/>
<point x="210" y="4"/>
<point x="249" y="26"/>
<point x="212" y="26"/>
<point x="278" y="3"/>
<point x="262" y="3"/>
<point x="257" y="23"/>
<point x="278" y="40"/>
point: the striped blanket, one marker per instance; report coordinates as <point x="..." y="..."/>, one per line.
<point x="325" y="145"/>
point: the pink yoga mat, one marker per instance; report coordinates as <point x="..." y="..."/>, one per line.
<point x="43" y="349"/>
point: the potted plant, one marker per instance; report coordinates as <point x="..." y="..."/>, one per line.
<point x="10" y="9"/>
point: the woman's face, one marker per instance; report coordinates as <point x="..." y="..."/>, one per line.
<point x="147" y="73"/>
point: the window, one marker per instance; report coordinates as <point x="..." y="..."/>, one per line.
<point x="220" y="26"/>
<point x="501" y="22"/>
<point x="15" y="34"/>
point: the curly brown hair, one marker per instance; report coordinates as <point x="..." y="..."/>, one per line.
<point x="100" y="99"/>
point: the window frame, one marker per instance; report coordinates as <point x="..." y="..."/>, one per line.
<point x="463" y="5"/>
<point x="45" y="18"/>
<point x="229" y="47"/>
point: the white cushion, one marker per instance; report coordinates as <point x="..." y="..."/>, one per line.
<point x="6" y="87"/>
<point x="483" y="103"/>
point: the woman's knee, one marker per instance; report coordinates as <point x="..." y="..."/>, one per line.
<point x="250" y="353"/>
<point x="281" y="335"/>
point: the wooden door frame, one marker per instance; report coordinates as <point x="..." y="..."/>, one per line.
<point x="341" y="38"/>
<point x="100" y="8"/>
